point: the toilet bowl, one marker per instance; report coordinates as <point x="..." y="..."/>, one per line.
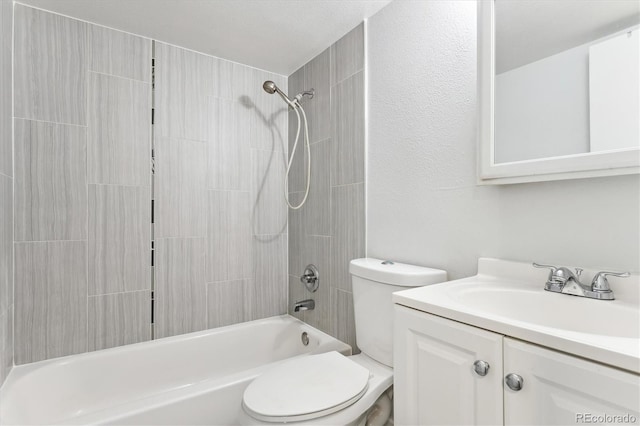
<point x="329" y="388"/>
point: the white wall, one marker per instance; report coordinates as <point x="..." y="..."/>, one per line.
<point x="423" y="204"/>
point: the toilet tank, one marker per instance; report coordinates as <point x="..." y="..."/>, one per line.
<point x="373" y="282"/>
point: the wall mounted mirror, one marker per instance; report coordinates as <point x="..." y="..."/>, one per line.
<point x="559" y="89"/>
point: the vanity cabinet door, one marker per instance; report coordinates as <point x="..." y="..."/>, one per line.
<point x="560" y="389"/>
<point x="435" y="382"/>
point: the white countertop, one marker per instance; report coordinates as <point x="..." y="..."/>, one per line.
<point x="509" y="298"/>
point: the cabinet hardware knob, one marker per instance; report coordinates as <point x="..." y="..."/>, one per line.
<point x="514" y="381"/>
<point x="481" y="367"/>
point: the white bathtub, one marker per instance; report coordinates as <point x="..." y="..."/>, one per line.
<point x="196" y="378"/>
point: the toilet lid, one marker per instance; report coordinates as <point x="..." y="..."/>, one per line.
<point x="306" y="388"/>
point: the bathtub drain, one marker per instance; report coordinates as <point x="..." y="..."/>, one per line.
<point x="305" y="338"/>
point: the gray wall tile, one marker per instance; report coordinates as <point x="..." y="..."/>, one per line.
<point x="119" y="239"/>
<point x="296" y="293"/>
<point x="50" y="61"/>
<point x="228" y="146"/>
<point x="119" y="134"/>
<point x="119" y="53"/>
<point x="50" y="181"/>
<point x="343" y="318"/>
<point x="180" y="292"/>
<point x="179" y="188"/>
<point x="51" y="300"/>
<point x="6" y="343"/>
<point x="296" y="82"/>
<point x="347" y="112"/>
<point x="6" y="191"/>
<point x="347" y="55"/>
<point x="228" y="236"/>
<point x="269" y="210"/>
<point x="348" y="221"/>
<point x="317" y="77"/>
<point x="329" y="229"/>
<point x="6" y="113"/>
<point x="222" y="79"/>
<point x="317" y="210"/>
<point x="119" y="319"/>
<point x="6" y="244"/>
<point x="298" y="173"/>
<point x="269" y="276"/>
<point x="183" y="85"/>
<point x="228" y="302"/>
<point x="297" y="234"/>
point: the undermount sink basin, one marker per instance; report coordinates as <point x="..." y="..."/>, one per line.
<point x="508" y="298"/>
<point x="547" y="309"/>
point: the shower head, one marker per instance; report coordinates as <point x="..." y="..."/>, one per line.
<point x="271" y="88"/>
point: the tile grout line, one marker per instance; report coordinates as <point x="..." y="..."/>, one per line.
<point x="51" y="122"/>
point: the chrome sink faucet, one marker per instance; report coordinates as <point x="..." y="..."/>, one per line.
<point x="562" y="280"/>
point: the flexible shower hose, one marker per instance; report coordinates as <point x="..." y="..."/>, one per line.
<point x="295" y="104"/>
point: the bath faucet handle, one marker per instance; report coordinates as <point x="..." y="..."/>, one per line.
<point x="600" y="282"/>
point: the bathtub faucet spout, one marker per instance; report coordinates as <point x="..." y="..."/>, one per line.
<point x="304" y="305"/>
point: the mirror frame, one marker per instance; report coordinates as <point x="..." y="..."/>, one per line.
<point x="592" y="164"/>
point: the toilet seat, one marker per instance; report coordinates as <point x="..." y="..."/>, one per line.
<point x="306" y="388"/>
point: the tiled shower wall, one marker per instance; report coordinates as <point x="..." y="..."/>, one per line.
<point x="329" y="230"/>
<point x="220" y="222"/>
<point x="83" y="189"/>
<point x="82" y="142"/>
<point x="6" y="194"/>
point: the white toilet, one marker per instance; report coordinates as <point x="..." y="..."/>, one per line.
<point x="331" y="389"/>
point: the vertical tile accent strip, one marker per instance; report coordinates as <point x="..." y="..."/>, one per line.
<point x="51" y="296"/>
<point x="50" y="181"/>
<point x="50" y="61"/>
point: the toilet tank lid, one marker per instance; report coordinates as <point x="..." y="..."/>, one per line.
<point x="400" y="274"/>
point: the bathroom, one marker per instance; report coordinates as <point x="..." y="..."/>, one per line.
<point x="319" y="212"/>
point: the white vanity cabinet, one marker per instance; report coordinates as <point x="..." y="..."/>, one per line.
<point x="561" y="389"/>
<point x="434" y="378"/>
<point x="436" y="382"/>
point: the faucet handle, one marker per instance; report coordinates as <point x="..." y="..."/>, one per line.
<point x="552" y="270"/>
<point x="600" y="282"/>
<point x="538" y="265"/>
